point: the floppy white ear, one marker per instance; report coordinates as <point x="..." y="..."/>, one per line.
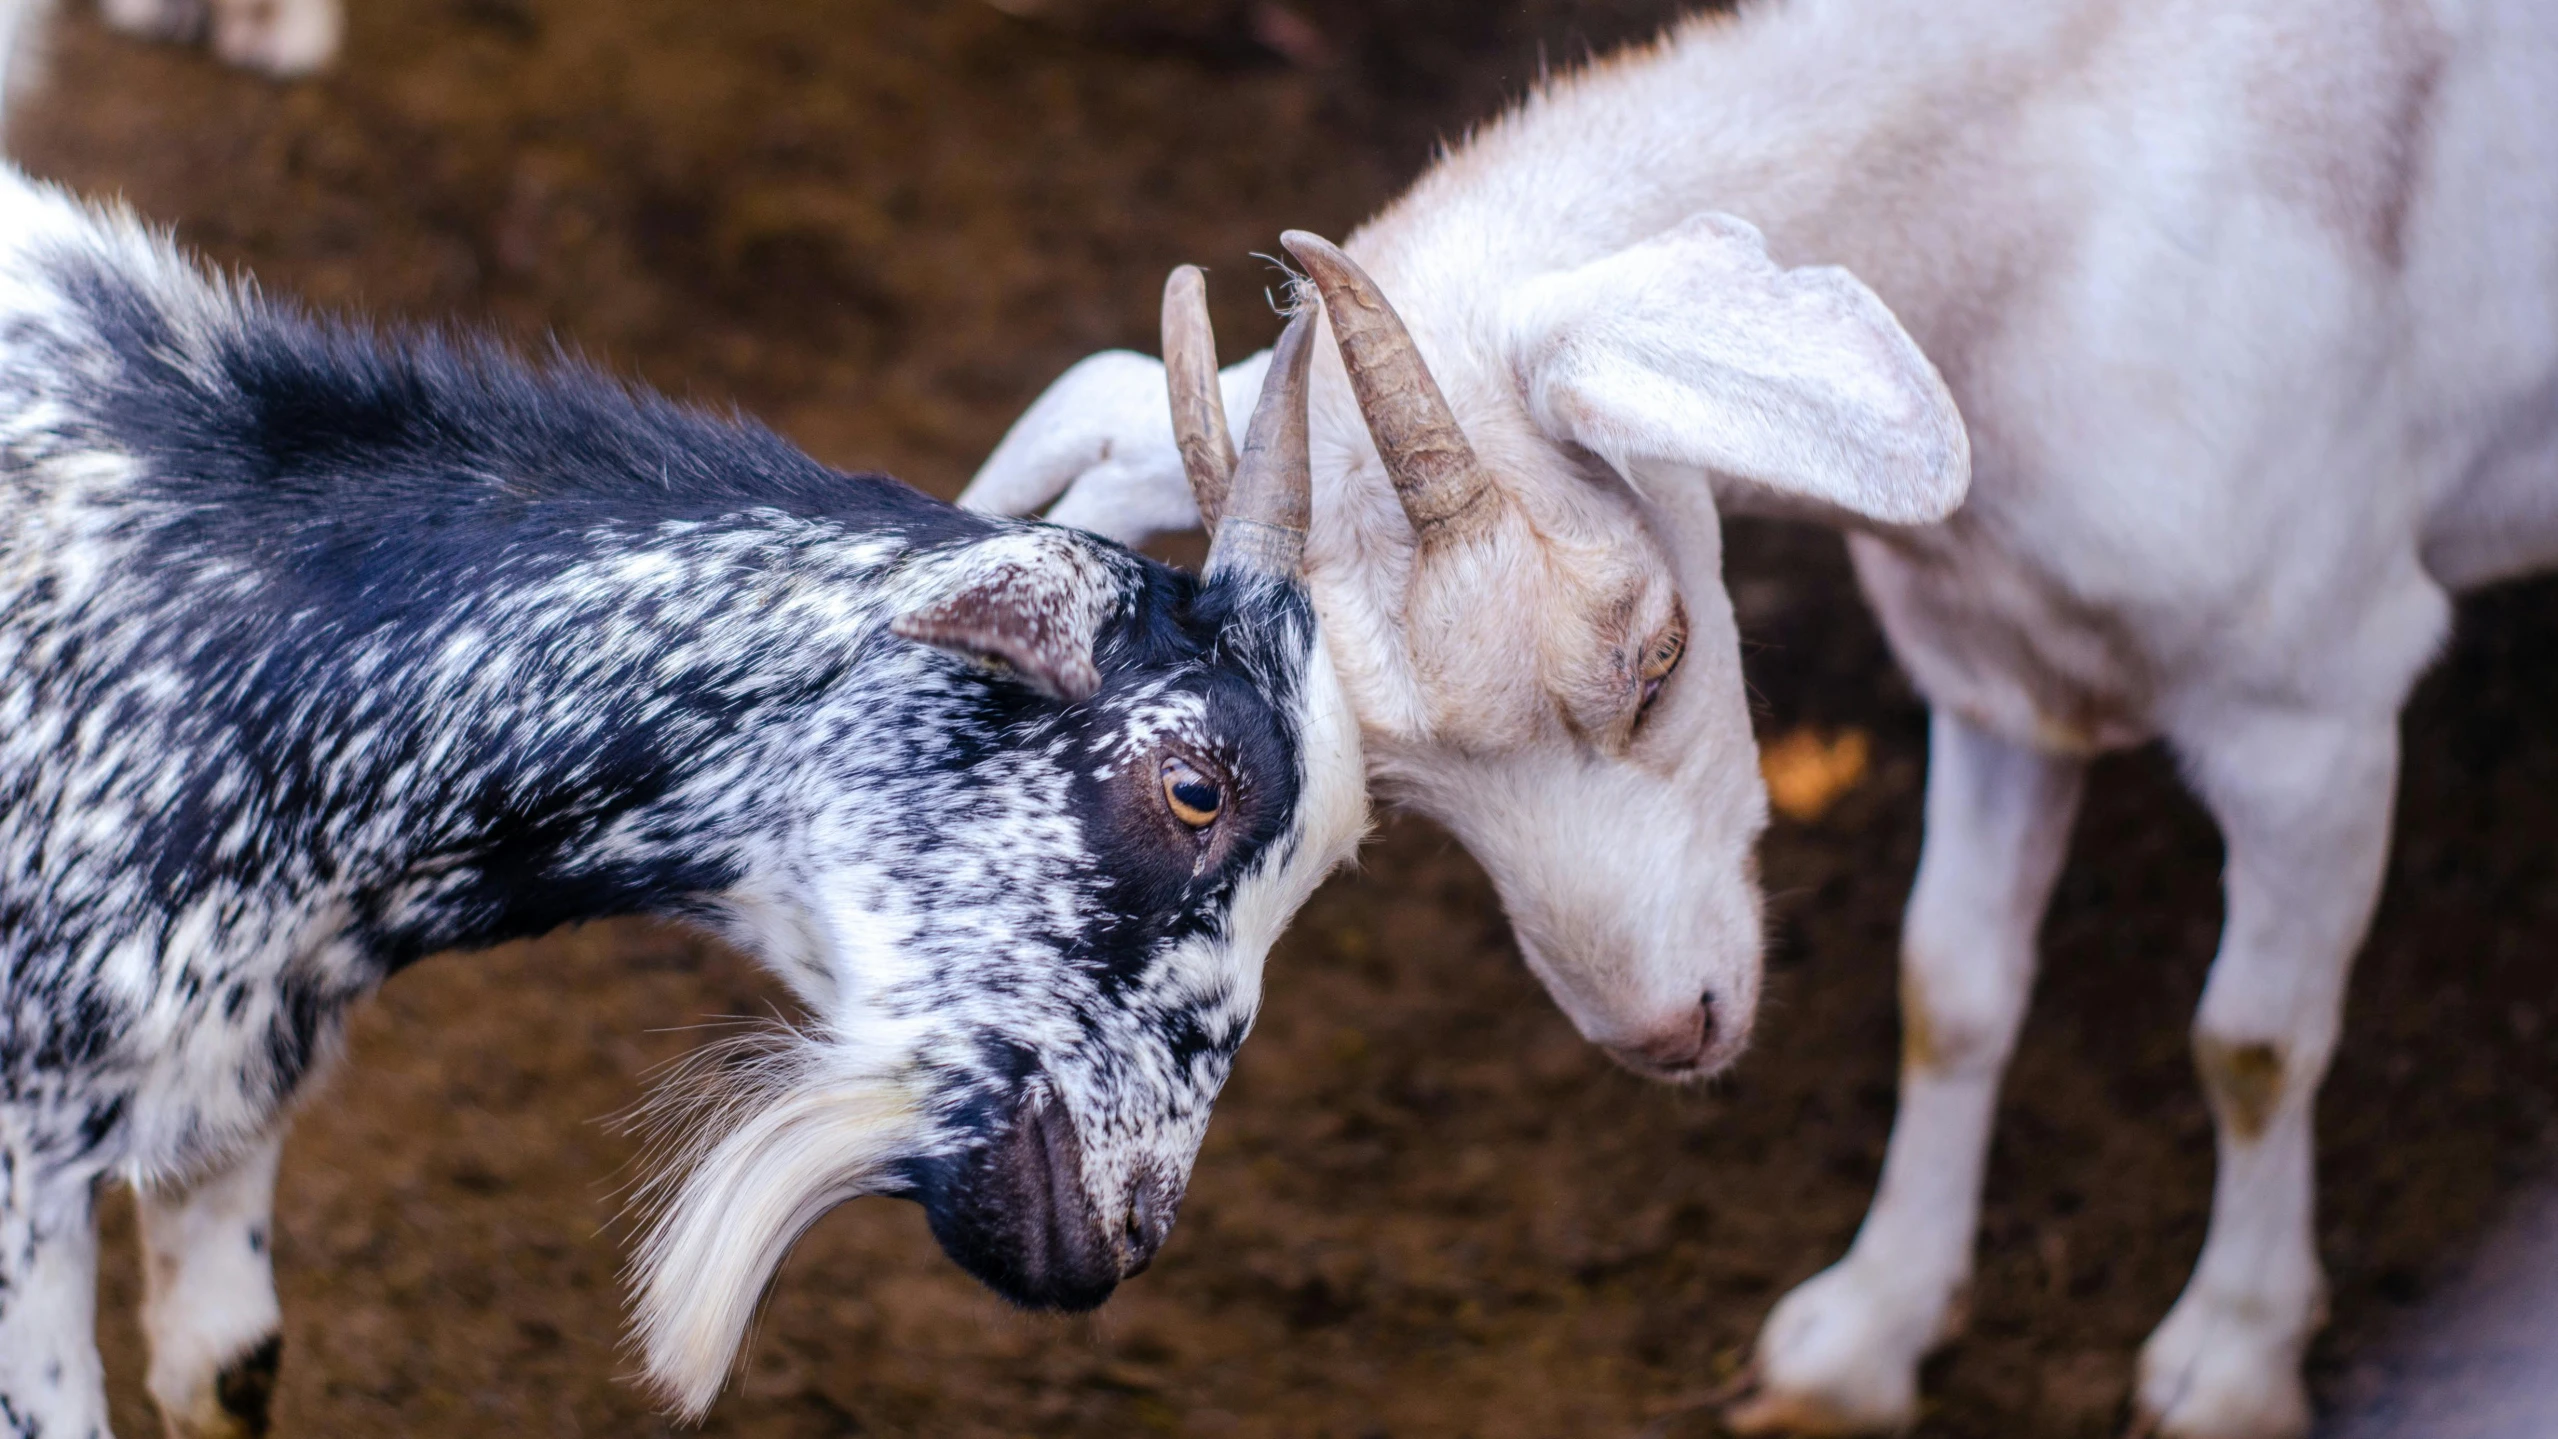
<point x="1694" y="349"/>
<point x="1099" y="443"/>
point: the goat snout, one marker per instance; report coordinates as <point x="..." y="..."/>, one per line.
<point x="1018" y="1215"/>
<point x="1688" y="1045"/>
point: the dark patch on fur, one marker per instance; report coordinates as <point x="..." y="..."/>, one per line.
<point x="246" y="1386"/>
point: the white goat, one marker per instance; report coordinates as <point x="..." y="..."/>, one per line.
<point x="2253" y="312"/>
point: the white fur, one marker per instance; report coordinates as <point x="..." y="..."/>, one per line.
<point x="2252" y="313"/>
<point x="208" y="1284"/>
<point x="737" y="1210"/>
<point x="282" y="38"/>
<point x="49" y="1365"/>
<point x="1692" y="352"/>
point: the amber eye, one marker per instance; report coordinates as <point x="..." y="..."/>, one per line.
<point x="1193" y="797"/>
<point x="1662" y="656"/>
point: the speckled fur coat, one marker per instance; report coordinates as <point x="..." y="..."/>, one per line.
<point x="321" y="652"/>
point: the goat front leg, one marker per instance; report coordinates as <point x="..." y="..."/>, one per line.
<point x="209" y="1302"/>
<point x="51" y="1384"/>
<point x="1840" y="1355"/>
<point x="2303" y="803"/>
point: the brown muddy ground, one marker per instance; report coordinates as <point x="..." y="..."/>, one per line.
<point x="1426" y="1208"/>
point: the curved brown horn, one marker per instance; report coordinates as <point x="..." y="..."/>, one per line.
<point x="1198" y="405"/>
<point x="1434" y="470"/>
<point x="1264" y="531"/>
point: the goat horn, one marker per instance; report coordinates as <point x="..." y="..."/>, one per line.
<point x="1198" y="406"/>
<point x="1434" y="470"/>
<point x="1264" y="530"/>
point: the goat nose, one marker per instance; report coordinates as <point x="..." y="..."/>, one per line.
<point x="1018" y="1215"/>
<point x="1676" y="1050"/>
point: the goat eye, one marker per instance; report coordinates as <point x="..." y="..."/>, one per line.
<point x="1193" y="797"/>
<point x="1662" y="656"/>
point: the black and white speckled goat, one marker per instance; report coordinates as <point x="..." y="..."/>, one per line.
<point x="321" y="652"/>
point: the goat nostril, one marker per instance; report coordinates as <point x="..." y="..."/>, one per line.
<point x="1140" y="1249"/>
<point x="1677" y="1050"/>
<point x="1148" y="1225"/>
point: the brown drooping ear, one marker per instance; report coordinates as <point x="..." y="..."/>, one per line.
<point x="1023" y="606"/>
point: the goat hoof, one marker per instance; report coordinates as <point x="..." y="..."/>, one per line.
<point x="2218" y="1372"/>
<point x="2151" y="1424"/>
<point x="1840" y="1354"/>
<point x="1763" y="1410"/>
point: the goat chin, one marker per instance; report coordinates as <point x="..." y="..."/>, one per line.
<point x="729" y="1219"/>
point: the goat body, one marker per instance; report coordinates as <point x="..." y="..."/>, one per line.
<point x="2251" y="311"/>
<point x="321" y="652"/>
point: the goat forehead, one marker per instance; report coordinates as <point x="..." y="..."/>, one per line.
<point x="1140" y="721"/>
<point x="1508" y="629"/>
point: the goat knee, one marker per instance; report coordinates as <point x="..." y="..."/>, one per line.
<point x="1957" y="1018"/>
<point x="2256" y="1066"/>
<point x="2251" y="1076"/>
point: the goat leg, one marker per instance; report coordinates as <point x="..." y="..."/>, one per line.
<point x="51" y="1382"/>
<point x="2303" y="801"/>
<point x="209" y="1301"/>
<point x="1841" y="1353"/>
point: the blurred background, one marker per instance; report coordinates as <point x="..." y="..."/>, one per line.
<point x="1426" y="1208"/>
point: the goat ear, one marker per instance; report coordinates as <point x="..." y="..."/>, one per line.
<point x="1028" y="604"/>
<point x="1694" y="349"/>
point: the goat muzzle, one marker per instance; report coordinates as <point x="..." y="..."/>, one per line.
<point x="1019" y="1216"/>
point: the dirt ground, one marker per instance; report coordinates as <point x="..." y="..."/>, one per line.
<point x="1426" y="1207"/>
